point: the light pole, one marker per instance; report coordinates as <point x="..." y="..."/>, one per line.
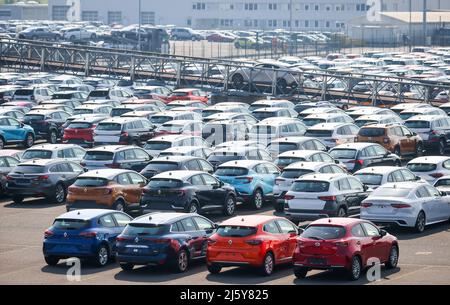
<point x="140" y="22"/>
<point x="290" y="16"/>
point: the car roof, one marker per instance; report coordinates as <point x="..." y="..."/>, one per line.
<point x="307" y="165"/>
<point x="278" y="121"/>
<point x="328" y="126"/>
<point x="337" y="221"/>
<point x="299" y="153"/>
<point x="299" y="139"/>
<point x="42" y="111"/>
<point x="270" y="109"/>
<point x="430" y="117"/>
<point x="181" y="122"/>
<point x="183" y="149"/>
<point x="85" y="214"/>
<point x="174" y="158"/>
<point x="242" y="163"/>
<point x="378" y="170"/>
<point x="430" y="159"/>
<point x="170" y="138"/>
<point x="178" y="175"/>
<point x="121" y="120"/>
<point x="405" y="184"/>
<point x="111" y="148"/>
<point x="248" y="220"/>
<point x="53" y="146"/>
<point x="376" y="117"/>
<point x="159" y="218"/>
<point x="325" y="115"/>
<point x="108" y="173"/>
<point x="357" y="145"/>
<point x="42" y="162"/>
<point x="323" y="177"/>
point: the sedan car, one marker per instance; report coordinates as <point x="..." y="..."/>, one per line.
<point x="376" y="176"/>
<point x="430" y="168"/>
<point x="344" y="244"/>
<point x="174" y="239"/>
<point x="89" y="234"/>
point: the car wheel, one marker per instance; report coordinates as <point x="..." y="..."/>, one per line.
<point x="268" y="264"/>
<point x="60" y="193"/>
<point x="53" y="137"/>
<point x="230" y="206"/>
<point x="281" y="85"/>
<point x="101" y="257"/>
<point x="18" y="199"/>
<point x="135" y="142"/>
<point x="300" y="272"/>
<point x="258" y="199"/>
<point x="398" y="163"/>
<point x="181" y="262"/>
<point x="119" y="206"/>
<point x="397" y="151"/>
<point x="2" y="143"/>
<point x="238" y="81"/>
<point x="29" y="141"/>
<point x="355" y="269"/>
<point x="214" y="268"/>
<point x="279" y="207"/>
<point x="342" y="212"/>
<point x="126" y="266"/>
<point x="51" y="260"/>
<point x="420" y="222"/>
<point x="419" y="150"/>
<point x="441" y="148"/>
<point x="192" y="208"/>
<point x="393" y="258"/>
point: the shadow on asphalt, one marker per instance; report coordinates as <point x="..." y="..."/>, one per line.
<point x="408" y="233"/>
<point x="86" y="268"/>
<point x="34" y="203"/>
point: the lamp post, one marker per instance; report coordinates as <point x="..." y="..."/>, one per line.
<point x="140" y="22"/>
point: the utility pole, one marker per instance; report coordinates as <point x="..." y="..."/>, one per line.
<point x="425" y="22"/>
<point x="410" y="25"/>
<point x="140" y="23"/>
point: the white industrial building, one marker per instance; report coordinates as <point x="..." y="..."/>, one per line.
<point x="309" y="15"/>
<point x="29" y="10"/>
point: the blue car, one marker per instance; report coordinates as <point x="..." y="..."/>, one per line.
<point x="14" y="132"/>
<point x="87" y="234"/>
<point x="172" y="239"/>
<point x="253" y="180"/>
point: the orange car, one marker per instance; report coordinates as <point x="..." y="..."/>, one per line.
<point x="395" y="138"/>
<point x="116" y="189"/>
<point x="257" y="241"/>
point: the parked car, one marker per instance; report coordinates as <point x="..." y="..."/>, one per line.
<point x="273" y="128"/>
<point x="178" y="239"/>
<point x="116" y="156"/>
<point x="86" y="234"/>
<point x="69" y="152"/>
<point x="172" y="163"/>
<point x="194" y="151"/>
<point x="185" y="34"/>
<point x="430" y="168"/>
<point x="47" y="124"/>
<point x="333" y="134"/>
<point x="77" y="33"/>
<point x="14" y="132"/>
<point x="293" y="156"/>
<point x="123" y="131"/>
<point x="188" y="191"/>
<point x="366" y="120"/>
<point x="32" y="94"/>
<point x="222" y="155"/>
<point x="187" y="127"/>
<point x="407" y="204"/>
<point x="117" y="189"/>
<point x="8" y="161"/>
<point x="257" y="241"/>
<point x="38" y="33"/>
<point x="273" y="112"/>
<point x="81" y="131"/>
<point x="376" y="176"/>
<point x="218" y="132"/>
<point x="48" y="178"/>
<point x="167" y="116"/>
<point x="344" y="244"/>
<point x="189" y="94"/>
<point x="93" y="109"/>
<point x="156" y="145"/>
<point x="281" y="145"/>
<point x="434" y="131"/>
<point x="152" y="92"/>
<point x="260" y="104"/>
<point x="116" y="93"/>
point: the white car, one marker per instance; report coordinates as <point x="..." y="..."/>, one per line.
<point x="376" y="176"/>
<point x="430" y="168"/>
<point x="333" y="134"/>
<point x="69" y="152"/>
<point x="443" y="184"/>
<point x="314" y="119"/>
<point x="156" y="145"/>
<point x="273" y="128"/>
<point x="406" y="204"/>
<point x="75" y="33"/>
<point x="293" y="156"/>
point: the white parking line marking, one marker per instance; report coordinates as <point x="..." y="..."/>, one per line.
<point x="424" y="253"/>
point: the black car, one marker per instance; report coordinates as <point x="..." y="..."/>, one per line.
<point x="188" y="191"/>
<point x="171" y="163"/>
<point x="47" y="124"/>
<point x="48" y="178"/>
<point x="172" y="239"/>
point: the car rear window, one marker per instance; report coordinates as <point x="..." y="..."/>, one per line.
<point x="282" y="147"/>
<point x="98" y="94"/>
<point x="417" y="124"/>
<point x="231" y="171"/>
<point x="24" y="92"/>
<point x="236" y="231"/>
<point x="442" y="182"/>
<point x="295" y="173"/>
<point x="179" y="93"/>
<point x="37" y="154"/>
<point x="306" y="186"/>
<point x="421" y="167"/>
<point x="79" y="125"/>
<point x="158" y="145"/>
<point x="98" y="155"/>
<point x="164" y="183"/>
<point x="162" y="166"/>
<point x="34" y="117"/>
<point x="343" y="153"/>
<point x="391" y="192"/>
<point x="312" y="122"/>
<point x="60" y="96"/>
<point x="324" y="232"/>
<point x="361" y="123"/>
<point x="90" y="182"/>
<point x="261" y="115"/>
<point x="28" y="169"/>
<point x="407" y="115"/>
<point x="70" y="224"/>
<point x="120" y="111"/>
<point x="318" y="133"/>
<point x="109" y="126"/>
<point x="372" y="132"/>
<point x="207" y="113"/>
<point x="133" y="229"/>
<point x="160" y="119"/>
<point x="284" y="161"/>
<point x="371" y="179"/>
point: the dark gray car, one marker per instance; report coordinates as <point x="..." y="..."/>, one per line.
<point x="40" y="33"/>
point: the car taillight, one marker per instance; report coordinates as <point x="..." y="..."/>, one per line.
<point x="48" y="233"/>
<point x="327" y="198"/>
<point x="245" y="179"/>
<point x="279" y="181"/>
<point x="359" y="162"/>
<point x="124" y="134"/>
<point x="42" y="178"/>
<point x="113" y="165"/>
<point x="341" y="244"/>
<point x="253" y="242"/>
<point x="9" y="178"/>
<point x="289" y="197"/>
<point x="400" y="205"/>
<point x="121" y="238"/>
<point x="366" y="205"/>
<point x="437" y="175"/>
<point x="386" y="140"/>
<point x="88" y="234"/>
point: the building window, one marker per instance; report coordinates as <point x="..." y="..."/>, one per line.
<point x="5" y="13"/>
<point x="59" y="12"/>
<point x="272" y="23"/>
<point x="251" y="6"/>
<point x="148" y="18"/>
<point x="316" y="24"/>
<point x="297" y="23"/>
<point x="114" y="17"/>
<point x="316" y="7"/>
<point x="189" y="22"/>
<point x="272" y="6"/>
<point x="89" y="15"/>
<point x="306" y="7"/>
<point x="227" y="22"/>
<point x="199" y="6"/>
<point x="306" y="23"/>
<point x="327" y="24"/>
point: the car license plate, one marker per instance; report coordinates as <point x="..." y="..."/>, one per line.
<point x="317" y="261"/>
<point x="23" y="181"/>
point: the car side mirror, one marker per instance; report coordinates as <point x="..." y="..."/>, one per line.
<point x="443" y="194"/>
<point x="300" y="230"/>
<point x="366" y="188"/>
<point x="417" y="178"/>
<point x="383" y="233"/>
<point x="216" y="226"/>
<point x="336" y="162"/>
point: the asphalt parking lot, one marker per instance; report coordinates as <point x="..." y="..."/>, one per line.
<point x="424" y="258"/>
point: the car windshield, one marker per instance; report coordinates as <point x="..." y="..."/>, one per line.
<point x="318" y="133"/>
<point x="282" y="147"/>
<point x="70" y="224"/>
<point x="324" y="232"/>
<point x="34" y="117"/>
<point x="161" y="166"/>
<point x="417" y="124"/>
<point x="231" y="171"/>
<point x="120" y="111"/>
<point x="37" y="154"/>
<point x="28" y="169"/>
<point x="98" y="155"/>
<point x="160" y="119"/>
<point x="371" y="132"/>
<point x="421" y="167"/>
<point x="389" y="191"/>
<point x="79" y="125"/>
<point x="361" y="123"/>
<point x="207" y="113"/>
<point x="90" y="182"/>
<point x="370" y="179"/>
<point x="312" y="122"/>
<point x="295" y="173"/>
<point x="442" y="182"/>
<point x="284" y="161"/>
<point x="109" y="126"/>
<point x="307" y="186"/>
<point x="343" y="153"/>
<point x="133" y="229"/>
<point x="157" y="145"/>
<point x="236" y="231"/>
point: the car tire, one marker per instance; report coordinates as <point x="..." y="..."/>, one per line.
<point x="119" y="205"/>
<point x="126" y="266"/>
<point x="341" y="212"/>
<point x="300" y="272"/>
<point x="18" y="199"/>
<point x="214" y="268"/>
<point x="397" y="151"/>
<point x="257" y="199"/>
<point x="238" y="81"/>
<point x="268" y="264"/>
<point x="192" y="207"/>
<point x="2" y="143"/>
<point x="355" y="269"/>
<point x="51" y="260"/>
<point x="101" y="257"/>
<point x="393" y="258"/>
<point x="181" y="262"/>
<point x="230" y="206"/>
<point x="441" y="147"/>
<point x="29" y="141"/>
<point x="279" y="207"/>
<point x="421" y="221"/>
<point x="60" y="194"/>
<point x="281" y="85"/>
<point x="419" y="150"/>
<point x="52" y="137"/>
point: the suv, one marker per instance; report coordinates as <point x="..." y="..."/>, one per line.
<point x="395" y="138"/>
<point x="293" y="156"/>
<point x="314" y="119"/>
<point x="274" y="112"/>
<point x="274" y="128"/>
<point x="47" y="124"/>
<point x="13" y="131"/>
<point x="81" y="130"/>
<point x="167" y="116"/>
<point x="333" y="134"/>
<point x="171" y="163"/>
<point x="185" y="34"/>
<point x="378" y="119"/>
<point x="32" y="94"/>
<point x="226" y="154"/>
<point x="121" y="110"/>
<point x="69" y="152"/>
<point x="115" y="156"/>
<point x="158" y="144"/>
<point x="376" y="176"/>
<point x="123" y="131"/>
<point x="282" y="145"/>
<point x="434" y="131"/>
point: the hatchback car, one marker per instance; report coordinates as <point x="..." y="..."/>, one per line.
<point x="333" y="134"/>
<point x="156" y="145"/>
<point x="48" y="178"/>
<point x="434" y="131"/>
<point x="116" y="156"/>
<point x="14" y="132"/>
<point x="294" y="156"/>
<point x="172" y="163"/>
<point x="69" y="152"/>
<point x="430" y="168"/>
<point x="343" y="244"/>
<point x="273" y="128"/>
<point x="89" y="234"/>
<point x="378" y="119"/>
<point x="194" y="151"/>
<point x="188" y="191"/>
<point x="47" y="124"/>
<point x="123" y="131"/>
<point x="376" y="176"/>
<point x="116" y="189"/>
<point x="173" y="239"/>
<point x="222" y="155"/>
<point x="81" y="130"/>
<point x="281" y="145"/>
<point x="257" y="241"/>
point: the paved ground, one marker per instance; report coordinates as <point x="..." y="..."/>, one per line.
<point x="424" y="259"/>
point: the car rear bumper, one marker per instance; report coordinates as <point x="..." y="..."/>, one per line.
<point x="300" y="215"/>
<point x="151" y="260"/>
<point x="389" y="220"/>
<point x="87" y="204"/>
<point x="30" y="191"/>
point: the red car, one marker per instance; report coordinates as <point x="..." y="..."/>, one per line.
<point x="189" y="94"/>
<point x="343" y="243"/>
<point x="81" y="131"/>
<point x="257" y="241"/>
